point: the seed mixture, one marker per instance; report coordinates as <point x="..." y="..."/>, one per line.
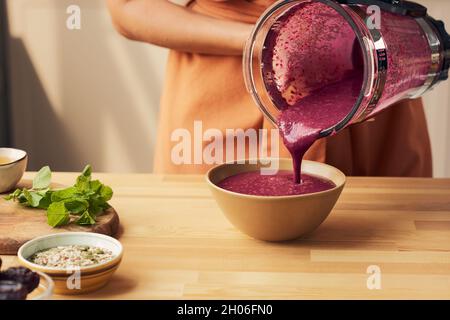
<point x="71" y="256"/>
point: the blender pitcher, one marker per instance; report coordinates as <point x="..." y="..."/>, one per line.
<point x="389" y="49"/>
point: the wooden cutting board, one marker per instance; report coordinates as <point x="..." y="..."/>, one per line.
<point x="19" y="224"/>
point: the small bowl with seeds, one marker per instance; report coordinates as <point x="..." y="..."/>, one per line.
<point x="78" y="262"/>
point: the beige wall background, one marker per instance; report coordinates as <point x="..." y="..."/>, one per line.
<point x="90" y="96"/>
<point x="82" y="96"/>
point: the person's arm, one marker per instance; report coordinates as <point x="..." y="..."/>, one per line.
<point x="168" y="25"/>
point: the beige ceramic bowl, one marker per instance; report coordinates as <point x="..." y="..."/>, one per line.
<point x="12" y="172"/>
<point x="66" y="282"/>
<point x="276" y="218"/>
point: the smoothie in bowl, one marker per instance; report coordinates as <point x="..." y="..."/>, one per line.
<point x="274" y="207"/>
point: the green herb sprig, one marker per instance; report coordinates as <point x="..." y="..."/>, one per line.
<point x="80" y="203"/>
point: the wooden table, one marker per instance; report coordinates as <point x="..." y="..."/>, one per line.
<point x="179" y="245"/>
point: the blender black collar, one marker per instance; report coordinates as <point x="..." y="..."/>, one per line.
<point x="402" y="7"/>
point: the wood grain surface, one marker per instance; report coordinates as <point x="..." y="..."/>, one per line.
<point x="178" y="245"/>
<point x="19" y="224"/>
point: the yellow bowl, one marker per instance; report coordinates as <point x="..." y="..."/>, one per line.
<point x="12" y="172"/>
<point x="276" y="218"/>
<point x="74" y="281"/>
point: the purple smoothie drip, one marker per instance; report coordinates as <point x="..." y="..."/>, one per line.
<point x="312" y="67"/>
<point x="281" y="184"/>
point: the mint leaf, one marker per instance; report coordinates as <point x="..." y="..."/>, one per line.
<point x="95" y="186"/>
<point x="57" y="214"/>
<point x="22" y="199"/>
<point x="83" y="184"/>
<point x="76" y="206"/>
<point x="33" y="198"/>
<point x="46" y="200"/>
<point x="86" y="219"/>
<point x="63" y="194"/>
<point x="43" y="192"/>
<point x="106" y="193"/>
<point x="96" y="206"/>
<point x="87" y="171"/>
<point x="83" y="180"/>
<point x="14" y="195"/>
<point x="43" y="178"/>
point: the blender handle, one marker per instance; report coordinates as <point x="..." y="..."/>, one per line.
<point x="445" y="41"/>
